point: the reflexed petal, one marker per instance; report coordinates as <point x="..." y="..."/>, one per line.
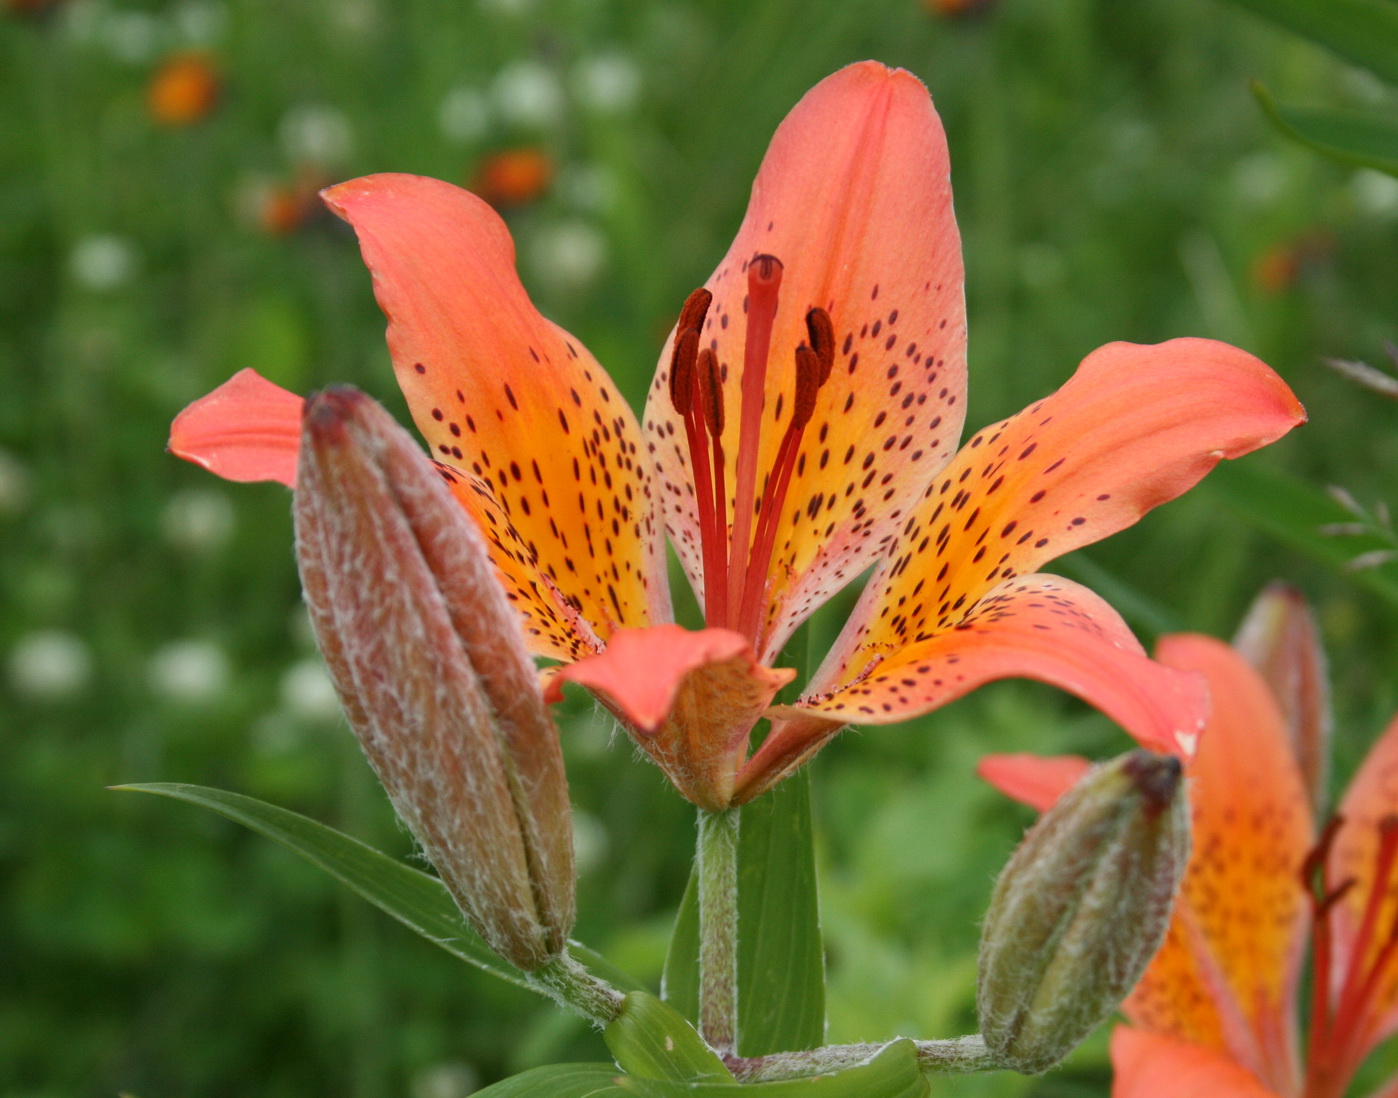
<point x="246" y="429"/>
<point x="1035" y="780"/>
<point x="1372" y="796"/>
<point x="505" y="396"/>
<point x="1134" y="427"/>
<point x="690" y="698"/>
<point x="1281" y="639"/>
<point x="1146" y="1065"/>
<point x="1227" y="974"/>
<point x="854" y="198"/>
<point x="1038" y="627"/>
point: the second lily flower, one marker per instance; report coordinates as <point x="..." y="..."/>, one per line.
<point x="801" y="429"/>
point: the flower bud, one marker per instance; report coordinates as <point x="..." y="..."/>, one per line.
<point x="1081" y="908"/>
<point x="429" y="662"/>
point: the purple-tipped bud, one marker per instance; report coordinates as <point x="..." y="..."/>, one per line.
<point x="1081" y="908"/>
<point x="431" y="668"/>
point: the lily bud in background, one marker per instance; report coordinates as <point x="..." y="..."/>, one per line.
<point x="1081" y="908"/>
<point x="430" y="665"/>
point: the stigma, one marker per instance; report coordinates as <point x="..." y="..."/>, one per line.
<point x="738" y="523"/>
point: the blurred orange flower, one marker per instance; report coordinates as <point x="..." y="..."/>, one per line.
<point x="184" y="89"/>
<point x="513" y="177"/>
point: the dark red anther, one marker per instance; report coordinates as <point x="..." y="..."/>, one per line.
<point x="710" y="391"/>
<point x="808" y="379"/>
<point x="822" y="333"/>
<point x="682" y="369"/>
<point x="696" y="308"/>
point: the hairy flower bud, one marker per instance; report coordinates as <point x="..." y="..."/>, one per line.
<point x="429" y="661"/>
<point x="1081" y="908"/>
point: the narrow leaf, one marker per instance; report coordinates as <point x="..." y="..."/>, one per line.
<point x="781" y="955"/>
<point x="1299" y="515"/>
<point x="650" y="1039"/>
<point x="560" y="1081"/>
<point x="893" y="1073"/>
<point x="1363" y="32"/>
<point x="419" y="901"/>
<point x="1360" y="140"/>
<point x="679" y="982"/>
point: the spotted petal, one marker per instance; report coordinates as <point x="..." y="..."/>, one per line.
<point x="540" y="439"/>
<point x="1371" y="799"/>
<point x="1038" y="627"/>
<point x="1133" y="428"/>
<point x="689" y="698"/>
<point x="1226" y="977"/>
<point x="246" y="429"/>
<point x="854" y="198"/>
<point x="1147" y="1065"/>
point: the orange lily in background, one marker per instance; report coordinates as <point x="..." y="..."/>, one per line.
<point x="801" y="429"/>
<point x="1216" y="1014"/>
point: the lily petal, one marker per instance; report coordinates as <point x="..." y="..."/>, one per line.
<point x="518" y="405"/>
<point x="1371" y="799"/>
<point x="1035" y="780"/>
<point x="1147" y="1065"/>
<point x="690" y="699"/>
<point x="1039" y="627"/>
<point x="247" y="429"/>
<point x="854" y="198"/>
<point x="1227" y="975"/>
<point x="1281" y="639"/>
<point x="1133" y="428"/>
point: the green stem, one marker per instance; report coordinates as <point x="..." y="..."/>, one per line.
<point x="956" y="1056"/>
<point x="718" y="929"/>
<point x="571" y="985"/>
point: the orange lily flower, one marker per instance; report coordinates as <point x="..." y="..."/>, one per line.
<point x="800" y="430"/>
<point x="1216" y="1013"/>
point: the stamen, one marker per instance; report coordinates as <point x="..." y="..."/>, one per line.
<point x="710" y="387"/>
<point x="1315" y="879"/>
<point x="808" y="382"/>
<point x="764" y="282"/>
<point x="822" y="333"/>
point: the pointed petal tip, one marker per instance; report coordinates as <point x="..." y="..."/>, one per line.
<point x="1034" y="780"/>
<point x="248" y="429"/>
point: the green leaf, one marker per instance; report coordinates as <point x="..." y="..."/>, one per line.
<point x="679" y="981"/>
<point x="560" y="1081"/>
<point x="1360" y="140"/>
<point x="1363" y="32"/>
<point x="1298" y="514"/>
<point x="417" y="900"/>
<point x="650" y="1039"/>
<point x="781" y="955"/>
<point x="893" y="1073"/>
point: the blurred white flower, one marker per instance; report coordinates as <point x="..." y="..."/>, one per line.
<point x="51" y="663"/>
<point x="14" y="484"/>
<point x="589" y="841"/>
<point x="81" y="21"/>
<point x="463" y="115"/>
<point x="190" y="671"/>
<point x="308" y="692"/>
<point x="103" y="261"/>
<point x="567" y="256"/>
<point x="451" y="1079"/>
<point x="527" y="93"/>
<point x="1375" y="193"/>
<point x="315" y="133"/>
<point x="1260" y="178"/>
<point x="608" y="83"/>
<point x="201" y="22"/>
<point x="197" y="519"/>
<point x="133" y="36"/>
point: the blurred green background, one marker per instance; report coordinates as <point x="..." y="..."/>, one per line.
<point x="158" y="231"/>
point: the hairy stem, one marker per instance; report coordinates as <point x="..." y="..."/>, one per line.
<point x="956" y="1056"/>
<point x="718" y="929"/>
<point x="573" y="986"/>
